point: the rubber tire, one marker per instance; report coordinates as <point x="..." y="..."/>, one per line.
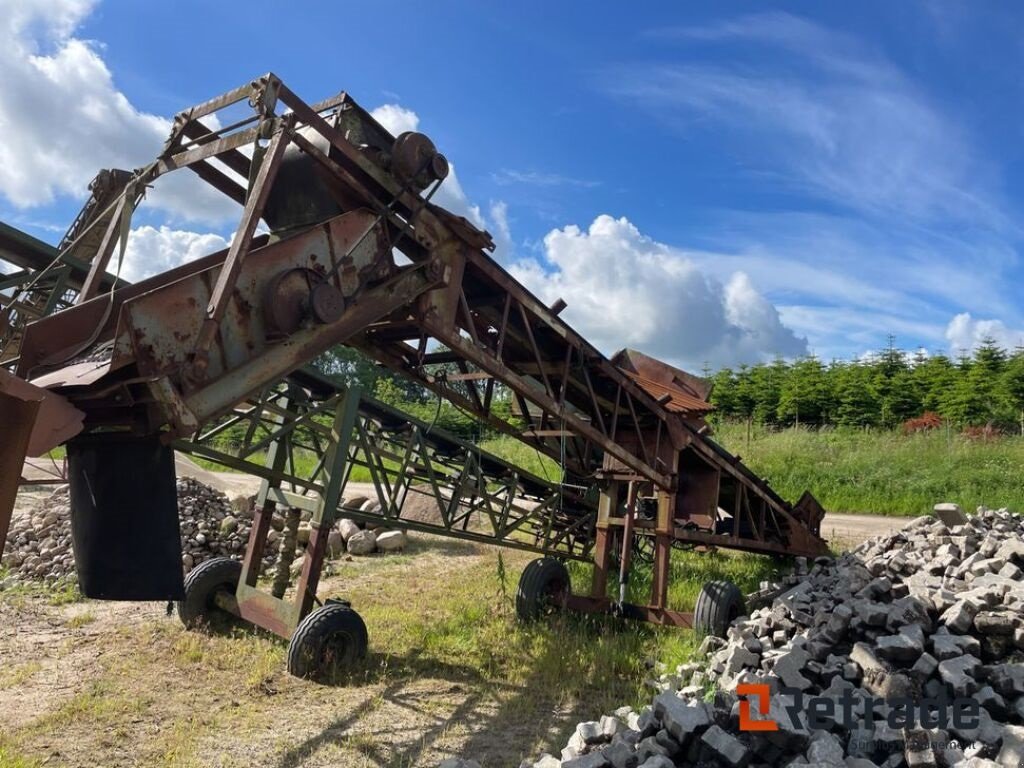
<point x="313" y="653"/>
<point x="542" y="582"/>
<point x="203" y="582"/>
<point x="718" y="604"/>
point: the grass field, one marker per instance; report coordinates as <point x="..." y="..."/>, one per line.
<point x="450" y="671"/>
<point x="883" y="472"/>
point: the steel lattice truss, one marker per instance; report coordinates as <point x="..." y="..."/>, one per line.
<point x="473" y="494"/>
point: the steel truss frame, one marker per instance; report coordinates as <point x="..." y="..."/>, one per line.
<point x="180" y="350"/>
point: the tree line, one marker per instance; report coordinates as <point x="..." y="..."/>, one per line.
<point x="985" y="388"/>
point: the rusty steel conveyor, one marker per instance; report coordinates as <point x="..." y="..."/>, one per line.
<point x="357" y="254"/>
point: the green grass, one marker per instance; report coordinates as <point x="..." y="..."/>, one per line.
<point x="468" y="624"/>
<point x="442" y="618"/>
<point x="523" y="456"/>
<point x="883" y="472"/>
<point x="62" y="592"/>
<point x="11" y="759"/>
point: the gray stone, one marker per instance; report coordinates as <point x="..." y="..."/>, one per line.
<point x="1012" y="751"/>
<point x="391" y="541"/>
<point x="995" y="623"/>
<point x="898" y="647"/>
<point x="335" y="543"/>
<point x="619" y="755"/>
<point x="593" y="760"/>
<point x="991" y="701"/>
<point x="958" y="674"/>
<point x="657" y="761"/>
<point x="959" y="617"/>
<point x="680" y="719"/>
<point x="925" y="666"/>
<point x="356" y="502"/>
<point x="949" y="513"/>
<point x="590" y="732"/>
<point x="790" y="666"/>
<point x="1008" y="679"/>
<point x="824" y="748"/>
<point x="611" y="725"/>
<point x="362" y="543"/>
<point x="950" y="646"/>
<point x="918" y="751"/>
<point x="348" y="528"/>
<point x="792" y="734"/>
<point x="727" y="747"/>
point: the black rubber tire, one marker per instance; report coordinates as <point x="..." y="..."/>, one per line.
<point x="198" y="609"/>
<point x="330" y="640"/>
<point x="542" y="587"/>
<point x="718" y="603"/>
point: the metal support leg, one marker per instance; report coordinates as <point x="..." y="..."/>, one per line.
<point x="625" y="559"/>
<point x="603" y="540"/>
<point x="335" y="466"/>
<point x="662" y="550"/>
<point x="277" y="456"/>
<point x="269" y="610"/>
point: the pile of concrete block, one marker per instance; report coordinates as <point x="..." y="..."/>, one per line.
<point x="907" y="651"/>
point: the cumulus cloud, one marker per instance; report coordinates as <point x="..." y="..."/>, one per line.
<point x="396" y="119"/>
<point x="63" y="118"/>
<point x="154" y="250"/>
<point x="625" y="289"/>
<point x="966" y="333"/>
<point x="891" y="214"/>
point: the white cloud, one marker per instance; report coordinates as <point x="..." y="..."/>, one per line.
<point x="966" y="333"/>
<point x="396" y="119"/>
<point x="843" y="123"/>
<point x="624" y="289"/>
<point x="891" y="216"/>
<point x="151" y="251"/>
<point x="540" y="179"/>
<point x="62" y="117"/>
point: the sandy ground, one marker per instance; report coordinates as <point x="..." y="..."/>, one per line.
<point x="123" y="684"/>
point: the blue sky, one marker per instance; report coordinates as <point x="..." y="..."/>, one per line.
<point x="714" y="184"/>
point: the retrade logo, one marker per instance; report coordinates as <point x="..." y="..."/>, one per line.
<point x="762" y="692"/>
<point x="847" y="709"/>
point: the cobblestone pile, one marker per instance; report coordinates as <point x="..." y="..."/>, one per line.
<point x="38" y="545"/>
<point x="907" y="651"/>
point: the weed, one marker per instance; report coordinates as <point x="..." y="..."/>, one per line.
<point x="81" y="619"/>
<point x="11" y="759"/>
<point x="18" y="674"/>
